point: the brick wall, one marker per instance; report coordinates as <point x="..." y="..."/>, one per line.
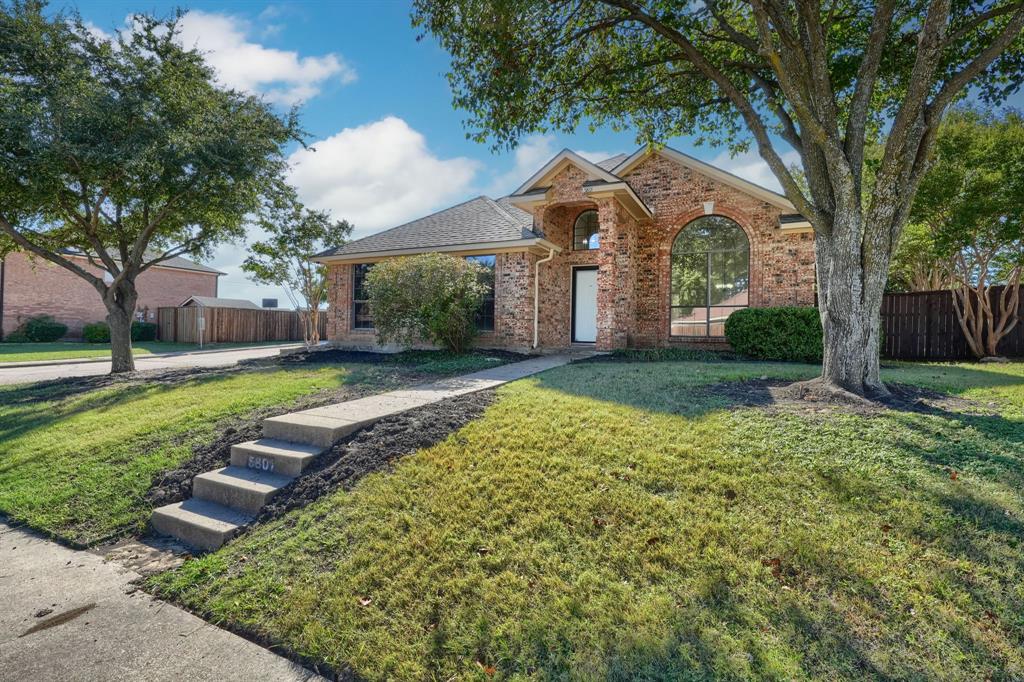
<point x="38" y="287"/>
<point x="633" y="262"/>
<point x="781" y="265"/>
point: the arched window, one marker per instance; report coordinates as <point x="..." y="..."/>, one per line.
<point x="585" y="232"/>
<point x="710" y="276"/>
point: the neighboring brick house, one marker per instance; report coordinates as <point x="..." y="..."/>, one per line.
<point x="33" y="286"/>
<point x="653" y="249"/>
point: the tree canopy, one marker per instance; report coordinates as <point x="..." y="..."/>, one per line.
<point x="126" y="151"/>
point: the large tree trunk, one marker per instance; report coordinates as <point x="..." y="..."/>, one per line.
<point x="850" y="289"/>
<point x="120" y="302"/>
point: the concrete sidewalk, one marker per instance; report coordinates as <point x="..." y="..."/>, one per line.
<point x="70" y="615"/>
<point x="217" y="358"/>
<point x="171" y="354"/>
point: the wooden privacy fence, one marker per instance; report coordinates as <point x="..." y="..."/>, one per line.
<point x="923" y="326"/>
<point x="232" y="325"/>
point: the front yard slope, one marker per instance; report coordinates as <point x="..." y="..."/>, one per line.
<point x="78" y="457"/>
<point x="661" y="521"/>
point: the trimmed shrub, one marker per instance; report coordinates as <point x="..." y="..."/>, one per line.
<point x="40" y="329"/>
<point x="97" y="332"/>
<point x="143" y="331"/>
<point x="431" y="297"/>
<point x="784" y="333"/>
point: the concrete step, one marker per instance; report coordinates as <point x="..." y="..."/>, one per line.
<point x="237" y="487"/>
<point x="199" y="523"/>
<point x="274" y="456"/>
<point x="309" y="429"/>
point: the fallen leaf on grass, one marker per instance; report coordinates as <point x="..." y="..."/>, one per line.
<point x="365" y="601"/>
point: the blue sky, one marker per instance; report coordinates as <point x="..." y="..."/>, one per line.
<point x="389" y="146"/>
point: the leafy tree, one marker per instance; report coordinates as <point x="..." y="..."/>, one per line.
<point x="431" y="297"/>
<point x="971" y="201"/>
<point x="823" y="78"/>
<point x="917" y="264"/>
<point x="294" y="235"/>
<point x="124" y="151"/>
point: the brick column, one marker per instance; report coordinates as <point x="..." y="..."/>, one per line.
<point x="614" y="277"/>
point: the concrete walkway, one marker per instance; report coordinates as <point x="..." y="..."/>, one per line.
<point x="224" y="501"/>
<point x="18" y="375"/>
<point x="70" y="615"/>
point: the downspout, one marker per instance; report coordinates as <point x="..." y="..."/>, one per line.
<point x="536" y="296"/>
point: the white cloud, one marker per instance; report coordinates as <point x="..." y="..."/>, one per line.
<point x="282" y="76"/>
<point x="750" y="166"/>
<point x="378" y="175"/>
<point x="530" y="156"/>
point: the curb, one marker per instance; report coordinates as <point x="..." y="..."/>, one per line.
<point x="175" y="354"/>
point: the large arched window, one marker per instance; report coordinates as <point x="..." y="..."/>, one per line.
<point x="710" y="276"/>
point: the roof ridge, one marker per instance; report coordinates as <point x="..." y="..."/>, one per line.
<point x="501" y="209"/>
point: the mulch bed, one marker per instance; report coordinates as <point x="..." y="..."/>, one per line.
<point x="782" y="395"/>
<point x="376" y="448"/>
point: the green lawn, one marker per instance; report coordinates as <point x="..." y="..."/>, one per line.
<point x="623" y="521"/>
<point x="77" y="465"/>
<point x="69" y="350"/>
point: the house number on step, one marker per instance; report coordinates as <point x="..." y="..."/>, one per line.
<point x="261" y="463"/>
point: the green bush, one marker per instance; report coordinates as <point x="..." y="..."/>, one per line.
<point x="143" y="331"/>
<point x="40" y="329"/>
<point x="431" y="297"/>
<point x="97" y="332"/>
<point x="785" y="333"/>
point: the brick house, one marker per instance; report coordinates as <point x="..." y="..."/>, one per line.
<point x="652" y="249"/>
<point x="33" y="286"/>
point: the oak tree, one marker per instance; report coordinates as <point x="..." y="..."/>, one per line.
<point x="821" y="78"/>
<point x="125" y="151"/>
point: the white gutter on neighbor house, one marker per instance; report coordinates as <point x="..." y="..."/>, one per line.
<point x="536" y="295"/>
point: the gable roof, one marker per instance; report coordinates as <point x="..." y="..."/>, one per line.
<point x="558" y="162"/>
<point x="213" y="302"/>
<point x="478" y="221"/>
<point x="752" y="188"/>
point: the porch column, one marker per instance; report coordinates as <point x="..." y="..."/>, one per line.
<point x="614" y="277"/>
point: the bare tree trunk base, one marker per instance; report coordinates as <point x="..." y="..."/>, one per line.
<point x="819" y="390"/>
<point x="994" y="358"/>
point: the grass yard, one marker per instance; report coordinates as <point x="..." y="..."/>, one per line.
<point x="73" y="350"/>
<point x="76" y="464"/>
<point x="627" y="521"/>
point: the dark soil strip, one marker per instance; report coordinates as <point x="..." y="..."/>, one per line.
<point x="376" y="448"/>
<point x="175" y="484"/>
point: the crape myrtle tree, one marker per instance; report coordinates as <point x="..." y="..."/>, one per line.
<point x="822" y="78"/>
<point x="971" y="201"/>
<point x="294" y="235"/>
<point x="125" y="151"/>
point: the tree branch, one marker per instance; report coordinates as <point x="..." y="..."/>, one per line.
<point x="743" y="105"/>
<point x="51" y="256"/>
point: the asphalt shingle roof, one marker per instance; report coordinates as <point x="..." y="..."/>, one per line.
<point x="479" y="220"/>
<point x="212" y="302"/>
<point x="611" y="162"/>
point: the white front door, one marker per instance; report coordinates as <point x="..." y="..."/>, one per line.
<point x="584" y="305"/>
